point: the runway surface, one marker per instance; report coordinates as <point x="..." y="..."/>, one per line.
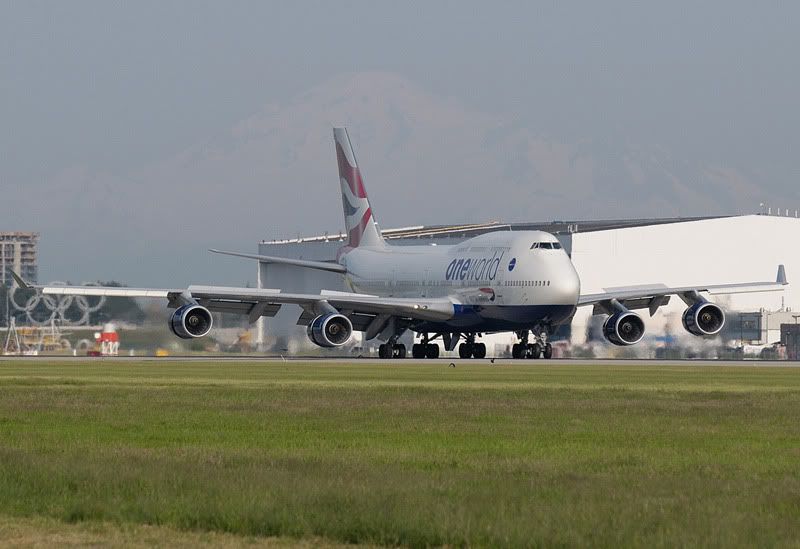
<point x="452" y="362"/>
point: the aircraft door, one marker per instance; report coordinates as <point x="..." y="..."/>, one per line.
<point x="499" y="284"/>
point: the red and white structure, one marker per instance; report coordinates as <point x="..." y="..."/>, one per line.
<point x="108" y="341"/>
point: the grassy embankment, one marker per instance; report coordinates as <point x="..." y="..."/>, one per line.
<point x="417" y="454"/>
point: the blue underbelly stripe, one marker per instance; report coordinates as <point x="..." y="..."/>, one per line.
<point x="490" y="318"/>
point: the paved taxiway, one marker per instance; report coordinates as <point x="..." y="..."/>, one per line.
<point x="446" y="362"/>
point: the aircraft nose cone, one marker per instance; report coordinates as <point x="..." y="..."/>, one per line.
<point x="567" y="287"/>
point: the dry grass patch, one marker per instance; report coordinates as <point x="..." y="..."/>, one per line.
<point x="41" y="532"/>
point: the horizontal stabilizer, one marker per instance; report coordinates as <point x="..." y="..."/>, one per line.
<point x="319" y="265"/>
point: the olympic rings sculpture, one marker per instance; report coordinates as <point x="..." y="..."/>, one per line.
<point x="42" y="309"/>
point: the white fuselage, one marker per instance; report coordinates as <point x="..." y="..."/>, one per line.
<point x="501" y="280"/>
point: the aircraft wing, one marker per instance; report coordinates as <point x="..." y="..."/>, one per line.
<point x="654" y="296"/>
<point x="254" y="302"/>
<point x="220" y="298"/>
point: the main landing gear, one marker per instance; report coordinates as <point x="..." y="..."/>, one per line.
<point x="391" y="350"/>
<point x="425" y="349"/>
<point x="470" y="349"/>
<point x="538" y="348"/>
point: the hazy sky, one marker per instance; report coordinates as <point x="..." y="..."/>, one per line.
<point x="120" y="85"/>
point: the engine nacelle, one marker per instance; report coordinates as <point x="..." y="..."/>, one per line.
<point x="190" y="321"/>
<point x="624" y="328"/>
<point x="704" y="319"/>
<point x="331" y="330"/>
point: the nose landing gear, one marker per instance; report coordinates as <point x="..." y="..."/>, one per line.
<point x="538" y="348"/>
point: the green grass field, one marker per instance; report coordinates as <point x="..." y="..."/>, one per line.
<point x="417" y="454"/>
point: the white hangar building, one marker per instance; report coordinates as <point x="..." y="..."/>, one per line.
<point x="674" y="251"/>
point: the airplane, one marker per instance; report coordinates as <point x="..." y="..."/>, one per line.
<point x="505" y="281"/>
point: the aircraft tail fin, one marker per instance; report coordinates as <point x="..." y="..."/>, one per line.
<point x="358" y="218"/>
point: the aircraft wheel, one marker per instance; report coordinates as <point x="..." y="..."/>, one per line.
<point x="399" y="351"/>
<point x="548" y="351"/>
<point x="534" y="351"/>
<point x="465" y="350"/>
<point x="432" y="350"/>
<point x="479" y="350"/>
<point x="418" y="350"/>
<point x="516" y="350"/>
<point x="383" y="351"/>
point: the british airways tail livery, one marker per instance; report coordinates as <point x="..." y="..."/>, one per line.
<point x="358" y="218"/>
<point x="521" y="282"/>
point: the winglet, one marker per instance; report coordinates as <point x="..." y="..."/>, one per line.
<point x="20" y="281"/>
<point x="781" y="275"/>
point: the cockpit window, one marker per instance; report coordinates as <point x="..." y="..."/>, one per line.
<point x="546" y="246"/>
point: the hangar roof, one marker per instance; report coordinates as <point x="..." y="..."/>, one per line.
<point x="468" y="230"/>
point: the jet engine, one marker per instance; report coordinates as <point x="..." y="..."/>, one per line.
<point x="703" y="319"/>
<point x="624" y="328"/>
<point x="190" y="321"/>
<point x="330" y="330"/>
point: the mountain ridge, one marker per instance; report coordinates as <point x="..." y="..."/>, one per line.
<point x="426" y="159"/>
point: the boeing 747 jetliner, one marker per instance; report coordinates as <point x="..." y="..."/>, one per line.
<point x="522" y="282"/>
